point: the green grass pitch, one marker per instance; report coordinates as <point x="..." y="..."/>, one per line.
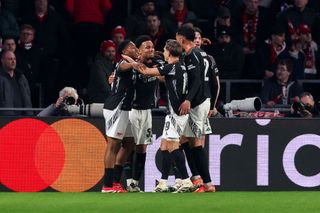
<point x="305" y="202"/>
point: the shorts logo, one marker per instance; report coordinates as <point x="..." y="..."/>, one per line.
<point x="194" y="128"/>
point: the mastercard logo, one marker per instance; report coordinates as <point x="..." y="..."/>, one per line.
<point x="67" y="155"/>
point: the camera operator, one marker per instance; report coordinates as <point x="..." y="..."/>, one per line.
<point x="67" y="96"/>
<point x="306" y="108"/>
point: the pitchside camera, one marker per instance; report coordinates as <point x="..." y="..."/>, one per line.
<point x="246" y="105"/>
<point x="91" y="110"/>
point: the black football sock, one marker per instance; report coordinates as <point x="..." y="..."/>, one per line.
<point x="108" y="177"/>
<point x="166" y="164"/>
<point x="117" y="173"/>
<point x="138" y="166"/>
<point x="178" y="157"/>
<point x="201" y="162"/>
<point x="190" y="159"/>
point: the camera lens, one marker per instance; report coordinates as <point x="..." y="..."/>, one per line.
<point x="69" y="100"/>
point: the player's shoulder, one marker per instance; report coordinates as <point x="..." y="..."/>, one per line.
<point x="198" y="53"/>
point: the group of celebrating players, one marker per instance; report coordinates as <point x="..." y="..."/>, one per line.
<point x="192" y="83"/>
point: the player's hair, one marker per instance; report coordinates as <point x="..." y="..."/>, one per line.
<point x="197" y="29"/>
<point x="142" y="39"/>
<point x="173" y="47"/>
<point x="187" y="32"/>
<point x="123" y="46"/>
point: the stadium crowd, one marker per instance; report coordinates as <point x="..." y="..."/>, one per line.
<point x="67" y="42"/>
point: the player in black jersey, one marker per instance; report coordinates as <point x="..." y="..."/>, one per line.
<point x="176" y="79"/>
<point x="214" y="85"/>
<point x="116" y="113"/>
<point x="197" y="103"/>
<point x="140" y="116"/>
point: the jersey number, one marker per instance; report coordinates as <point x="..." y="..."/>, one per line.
<point x="206" y="64"/>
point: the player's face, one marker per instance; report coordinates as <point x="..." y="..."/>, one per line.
<point x="180" y="39"/>
<point x="147" y="50"/>
<point x="132" y="51"/>
<point x="165" y="54"/>
<point x="197" y="39"/>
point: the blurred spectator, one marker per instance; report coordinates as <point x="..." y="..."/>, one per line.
<point x="102" y="68"/>
<point x="137" y="22"/>
<point x="265" y="3"/>
<point x="88" y="17"/>
<point x="14" y="87"/>
<point x="59" y="108"/>
<point x="251" y="26"/>
<point x="28" y="61"/>
<point x="8" y="23"/>
<point x="228" y="55"/>
<point x="177" y="16"/>
<point x="310" y="50"/>
<point x="9" y="43"/>
<point x="282" y="88"/>
<point x="54" y="42"/>
<point x="315" y="4"/>
<point x="299" y="14"/>
<point x="223" y="19"/>
<point x="118" y="34"/>
<point x="274" y="50"/>
<point x="156" y="31"/>
<point x="278" y="6"/>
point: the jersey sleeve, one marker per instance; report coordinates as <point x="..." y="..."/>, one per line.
<point x="166" y="69"/>
<point x="213" y="81"/>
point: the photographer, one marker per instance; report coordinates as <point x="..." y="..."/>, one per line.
<point x="67" y="96"/>
<point x="306" y="108"/>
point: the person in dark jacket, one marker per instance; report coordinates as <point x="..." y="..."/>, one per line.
<point x="228" y="55"/>
<point x="14" y="87"/>
<point x="28" y="61"/>
<point x="136" y="23"/>
<point x="275" y="49"/>
<point x="8" y="23"/>
<point x="250" y="26"/>
<point x="53" y="39"/>
<point x="293" y="17"/>
<point x="178" y="15"/>
<point x="282" y="88"/>
<point x="99" y="84"/>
